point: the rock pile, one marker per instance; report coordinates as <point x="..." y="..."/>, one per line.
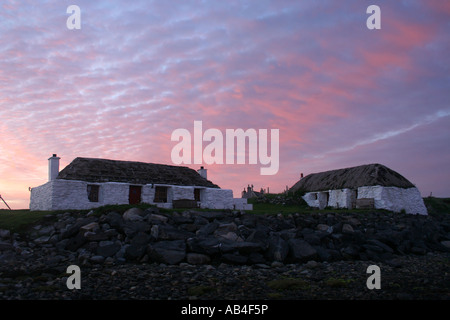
<point x="198" y="237"/>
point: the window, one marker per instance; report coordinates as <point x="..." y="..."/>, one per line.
<point x="160" y="194"/>
<point x="92" y="192"/>
<point x="197" y="194"/>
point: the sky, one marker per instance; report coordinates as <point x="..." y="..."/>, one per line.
<point x="340" y="94"/>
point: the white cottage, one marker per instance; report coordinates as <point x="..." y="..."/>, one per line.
<point x="89" y="183"/>
<point x="365" y="186"/>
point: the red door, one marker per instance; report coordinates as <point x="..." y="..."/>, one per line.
<point x="135" y="194"/>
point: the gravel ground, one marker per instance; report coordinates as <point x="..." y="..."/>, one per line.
<point x="405" y="277"/>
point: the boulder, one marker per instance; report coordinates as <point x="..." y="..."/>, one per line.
<point x="347" y="229"/>
<point x="108" y="248"/>
<point x="207" y="229"/>
<point x="133" y="214"/>
<point x="322" y="227"/>
<point x="225" y="228"/>
<point x="131" y="228"/>
<point x="42" y="240"/>
<point x="168" y="232"/>
<point x="207" y="246"/>
<point x="76" y="242"/>
<point x="169" y="252"/>
<point x="234" y="258"/>
<point x="4" y="234"/>
<point x="446" y="244"/>
<point x="157" y="219"/>
<point x="93" y="226"/>
<point x="277" y="249"/>
<point x="93" y="236"/>
<point x="301" y="251"/>
<point x="137" y="247"/>
<point x="4" y="246"/>
<point x="72" y="230"/>
<point x="97" y="259"/>
<point x="380" y="245"/>
<point x="114" y="219"/>
<point x="46" y="231"/>
<point x="245" y="247"/>
<point x="231" y="236"/>
<point x="197" y="258"/>
<point x="350" y="252"/>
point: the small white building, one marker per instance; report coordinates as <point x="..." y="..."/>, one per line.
<point x="88" y="183"/>
<point x="366" y="186"/>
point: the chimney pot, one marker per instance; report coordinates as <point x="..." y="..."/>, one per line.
<point x="53" y="167"/>
<point x="203" y="172"/>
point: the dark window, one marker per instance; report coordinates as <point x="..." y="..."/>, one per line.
<point x="160" y="194"/>
<point x="92" y="192"/>
<point x="197" y="194"/>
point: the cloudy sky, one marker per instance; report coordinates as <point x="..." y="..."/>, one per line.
<point x="340" y="94"/>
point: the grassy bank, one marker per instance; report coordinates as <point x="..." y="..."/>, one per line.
<point x="437" y="205"/>
<point x="19" y="220"/>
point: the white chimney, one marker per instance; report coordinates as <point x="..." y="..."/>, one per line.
<point x="202" y="172"/>
<point x="53" y="167"/>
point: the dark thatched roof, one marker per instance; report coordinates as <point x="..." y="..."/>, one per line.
<point x="351" y="178"/>
<point x="103" y="170"/>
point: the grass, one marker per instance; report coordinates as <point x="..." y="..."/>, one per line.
<point x="437" y="205"/>
<point x="338" y="282"/>
<point x="120" y="208"/>
<point x="19" y="220"/>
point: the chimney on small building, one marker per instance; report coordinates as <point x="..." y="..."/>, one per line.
<point x="202" y="172"/>
<point x="53" y="167"/>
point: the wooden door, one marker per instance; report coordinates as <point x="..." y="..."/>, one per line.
<point x="135" y="194"/>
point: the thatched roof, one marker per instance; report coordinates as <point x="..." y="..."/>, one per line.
<point x="351" y="178"/>
<point x="103" y="170"/>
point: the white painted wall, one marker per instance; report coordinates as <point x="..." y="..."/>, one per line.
<point x="395" y="199"/>
<point x="341" y="198"/>
<point x="41" y="197"/>
<point x="389" y="198"/>
<point x="241" y="204"/>
<point x="62" y="194"/>
<point x="213" y="198"/>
